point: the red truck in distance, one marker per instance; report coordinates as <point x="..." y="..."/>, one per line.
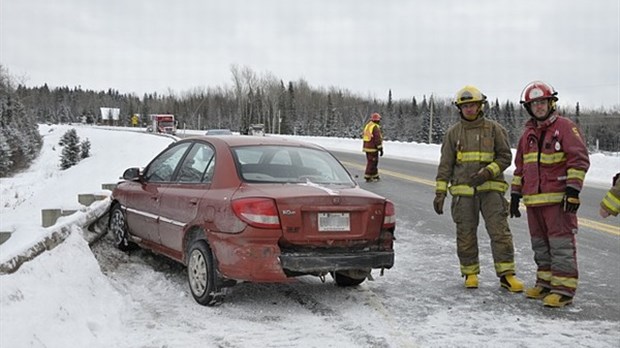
<point x="162" y="123"/>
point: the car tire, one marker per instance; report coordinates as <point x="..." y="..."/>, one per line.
<point x="117" y="224"/>
<point x="201" y="274"/>
<point x="344" y="280"/>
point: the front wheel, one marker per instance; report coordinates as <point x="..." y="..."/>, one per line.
<point x="201" y="274"/>
<point x="118" y="226"/>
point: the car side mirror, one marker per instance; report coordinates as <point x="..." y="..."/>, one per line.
<point x="132" y="174"/>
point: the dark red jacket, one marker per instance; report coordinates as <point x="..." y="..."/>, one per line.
<point x="551" y="155"/>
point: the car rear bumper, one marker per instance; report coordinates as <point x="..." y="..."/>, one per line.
<point x="313" y="262"/>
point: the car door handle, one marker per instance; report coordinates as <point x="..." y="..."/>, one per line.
<point x="154" y="198"/>
<point x="193" y="201"/>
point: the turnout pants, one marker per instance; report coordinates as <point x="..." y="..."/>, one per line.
<point x="372" y="165"/>
<point x="552" y="232"/>
<point x="466" y="214"/>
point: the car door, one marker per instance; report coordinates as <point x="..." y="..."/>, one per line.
<point x="181" y="199"/>
<point x="143" y="204"/>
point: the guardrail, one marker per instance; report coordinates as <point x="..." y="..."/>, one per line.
<point x="91" y="219"/>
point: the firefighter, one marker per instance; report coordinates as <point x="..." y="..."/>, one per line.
<point x="474" y="154"/>
<point x="373" y="147"/>
<point x="610" y="205"/>
<point x="551" y="164"/>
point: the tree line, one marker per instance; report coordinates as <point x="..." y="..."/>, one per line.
<point x="295" y="107"/>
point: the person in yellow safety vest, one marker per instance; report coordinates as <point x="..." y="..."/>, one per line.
<point x="134" y="120"/>
<point x="373" y="147"/>
<point x="610" y="205"/>
<point x="550" y="166"/>
<point x="474" y="154"/>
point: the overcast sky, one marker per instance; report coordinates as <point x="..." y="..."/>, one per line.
<point x="414" y="48"/>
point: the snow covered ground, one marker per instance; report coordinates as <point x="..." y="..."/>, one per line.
<point x="62" y="298"/>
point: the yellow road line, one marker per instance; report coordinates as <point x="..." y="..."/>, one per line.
<point x="611" y="229"/>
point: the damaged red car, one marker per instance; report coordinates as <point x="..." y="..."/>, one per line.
<point x="253" y="209"/>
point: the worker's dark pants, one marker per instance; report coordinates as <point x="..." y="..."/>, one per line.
<point x="372" y="165"/>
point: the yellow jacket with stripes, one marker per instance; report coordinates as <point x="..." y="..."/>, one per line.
<point x="469" y="146"/>
<point x="551" y="155"/>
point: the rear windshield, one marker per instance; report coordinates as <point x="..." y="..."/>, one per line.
<point x="288" y="164"/>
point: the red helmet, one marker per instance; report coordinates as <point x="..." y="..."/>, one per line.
<point x="375" y="117"/>
<point x="538" y="90"/>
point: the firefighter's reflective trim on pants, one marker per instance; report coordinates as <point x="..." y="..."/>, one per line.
<point x="575" y="174"/>
<point x="475" y="156"/>
<point x="369" y="150"/>
<point x="566" y="282"/>
<point x="466" y="190"/>
<point x="543" y="198"/>
<point x="494" y="168"/>
<point x="545" y="158"/>
<point x="471" y="269"/>
<point x="544" y="275"/>
<point x="516" y="180"/>
<point x="441" y="186"/>
<point x="612" y="203"/>
<point x="502" y="268"/>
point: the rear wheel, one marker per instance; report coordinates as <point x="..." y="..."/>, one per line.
<point x="350" y="278"/>
<point x="201" y="274"/>
<point x="118" y="226"/>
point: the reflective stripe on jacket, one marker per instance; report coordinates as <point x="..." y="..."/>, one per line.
<point x="551" y="155"/>
<point x="611" y="201"/>
<point x="469" y="146"/>
<point x="373" y="137"/>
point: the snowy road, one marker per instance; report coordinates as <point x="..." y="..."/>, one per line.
<point x="75" y="296"/>
<point x="420" y="302"/>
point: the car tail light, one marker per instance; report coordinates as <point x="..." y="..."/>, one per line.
<point x="257" y="212"/>
<point x="389" y="219"/>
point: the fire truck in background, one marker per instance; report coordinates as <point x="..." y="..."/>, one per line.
<point x="162" y="123"/>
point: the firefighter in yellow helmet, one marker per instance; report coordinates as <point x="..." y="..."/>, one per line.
<point x="373" y="147"/>
<point x="474" y="154"/>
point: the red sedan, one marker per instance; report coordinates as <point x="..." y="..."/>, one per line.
<point x="257" y="209"/>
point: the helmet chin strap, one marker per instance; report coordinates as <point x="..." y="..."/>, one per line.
<point x="478" y="115"/>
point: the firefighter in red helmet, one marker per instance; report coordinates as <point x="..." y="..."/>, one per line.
<point x="373" y="147"/>
<point x="551" y="164"/>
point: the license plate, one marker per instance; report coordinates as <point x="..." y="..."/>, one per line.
<point x="329" y="222"/>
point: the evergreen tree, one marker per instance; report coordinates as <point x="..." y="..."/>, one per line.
<point x="438" y="128"/>
<point x="494" y="113"/>
<point x="425" y="121"/>
<point x="577" y="114"/>
<point x="18" y="128"/>
<point x="5" y="156"/>
<point x="85" y="149"/>
<point x="71" y="150"/>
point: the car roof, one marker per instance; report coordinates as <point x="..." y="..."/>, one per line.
<point x="253" y="140"/>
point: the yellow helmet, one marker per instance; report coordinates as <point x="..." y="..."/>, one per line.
<point x="469" y="94"/>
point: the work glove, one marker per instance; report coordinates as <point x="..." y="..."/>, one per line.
<point x="571" y="200"/>
<point x="381" y="152"/>
<point x="438" y="202"/>
<point x="615" y="179"/>
<point x="480" y="178"/>
<point x="515" y="198"/>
